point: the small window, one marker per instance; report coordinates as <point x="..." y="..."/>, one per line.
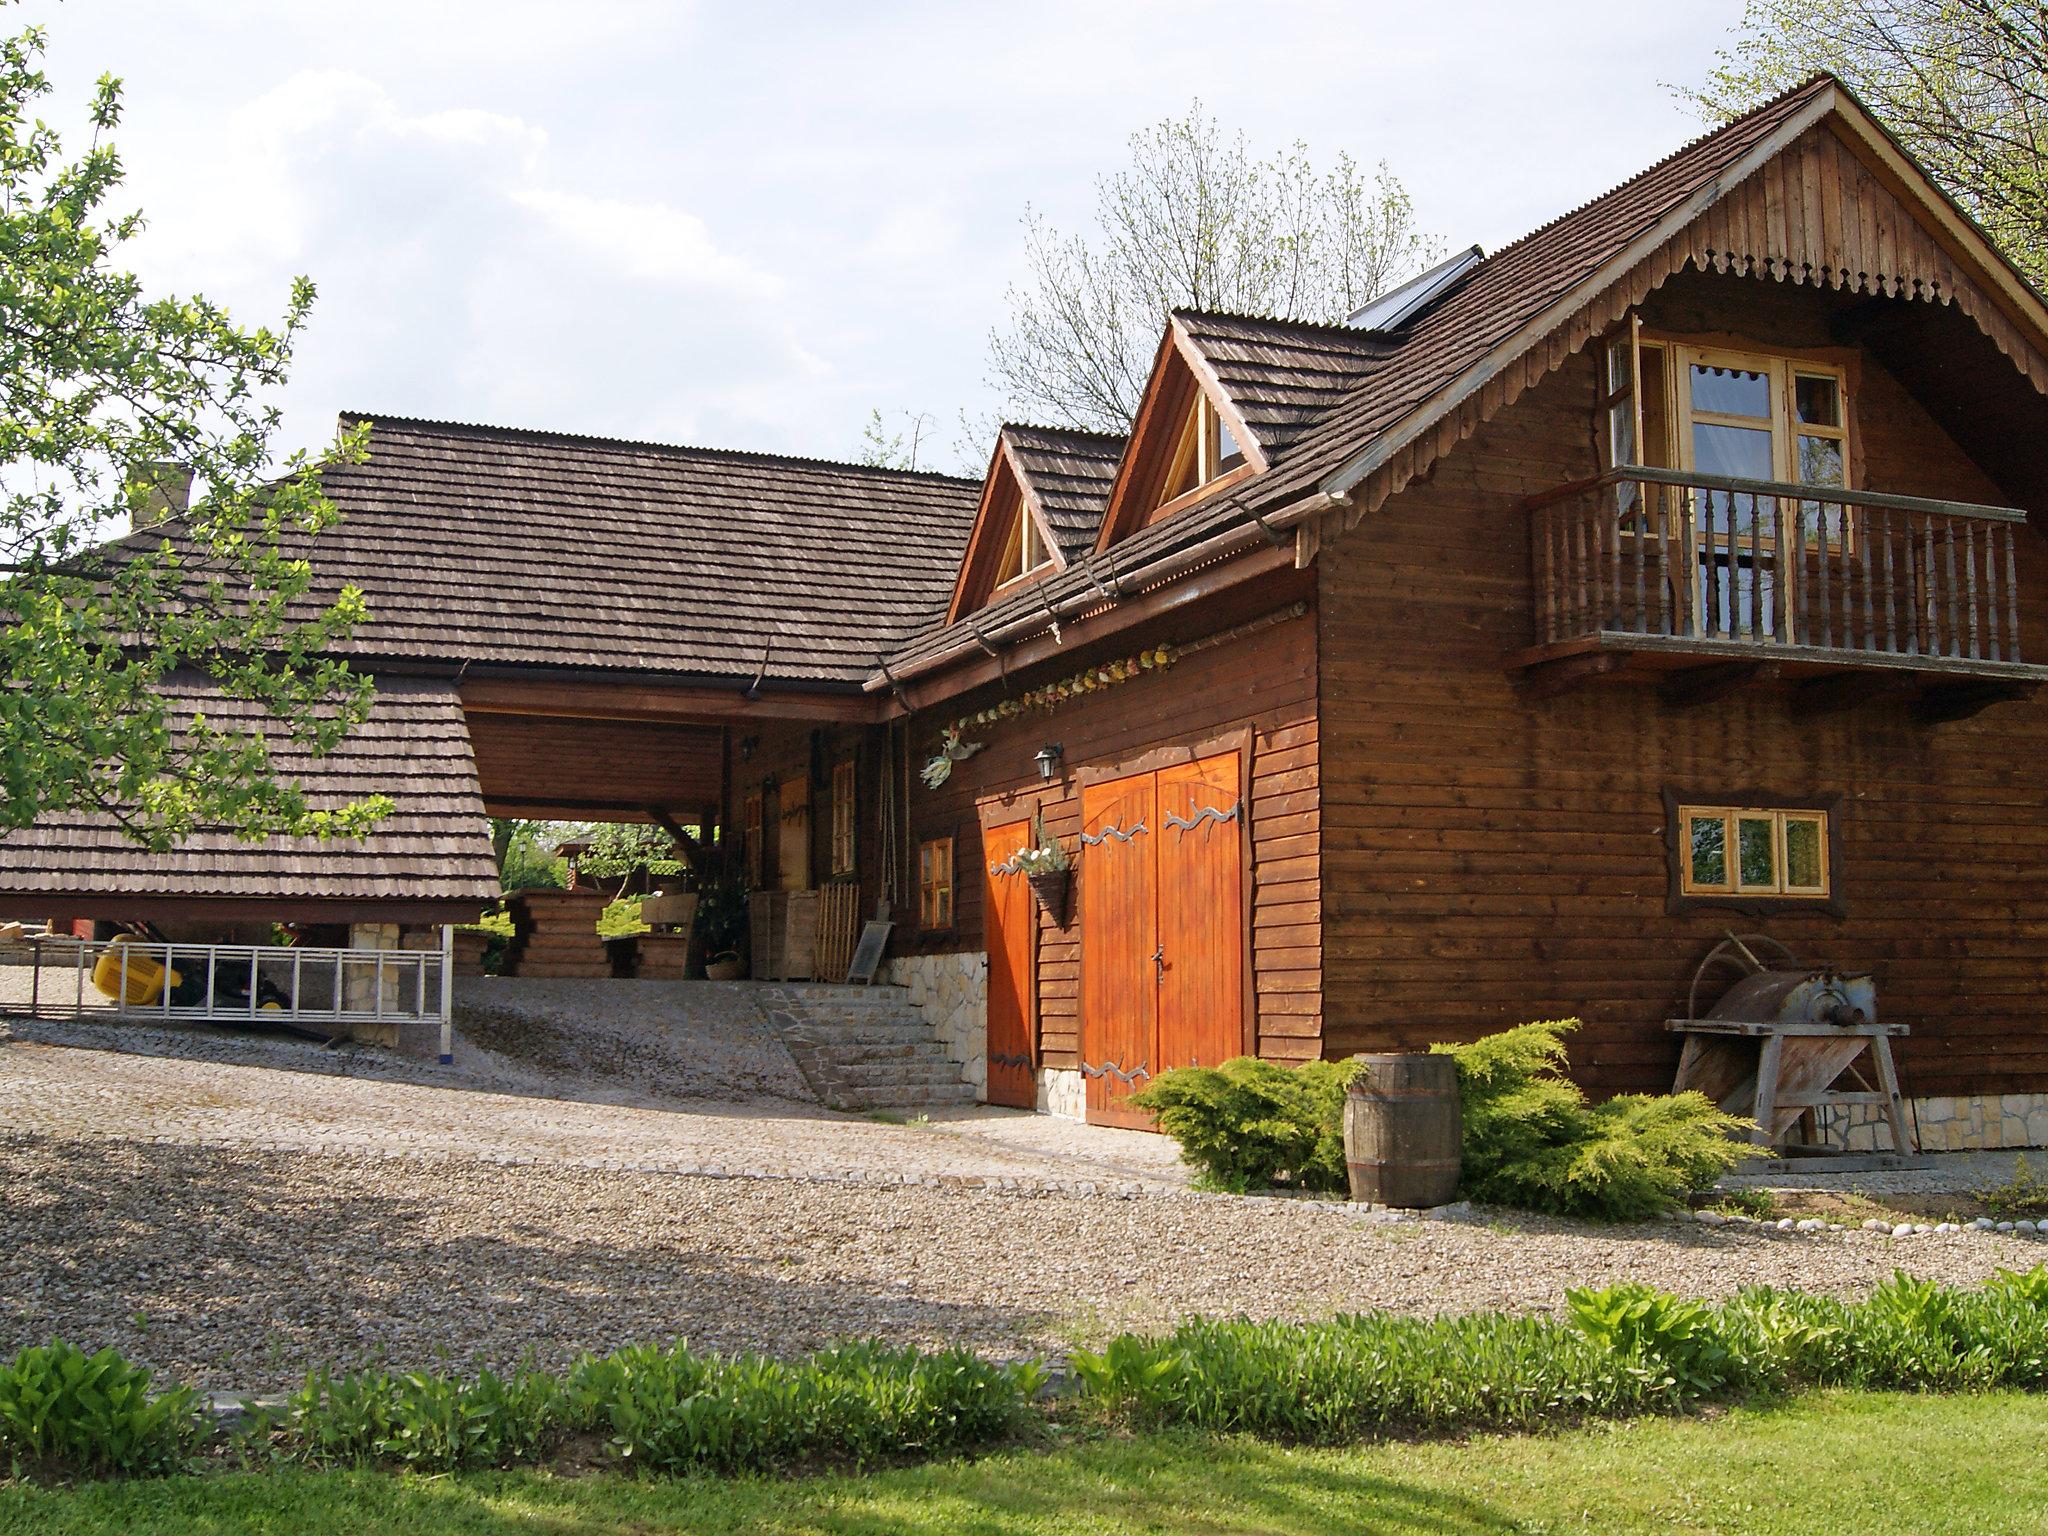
<point x="1208" y="450"/>
<point x="935" y="883"/>
<point x="1026" y="553"/>
<point x="752" y="842"/>
<point x="1753" y="852"/>
<point x="843" y="841"/>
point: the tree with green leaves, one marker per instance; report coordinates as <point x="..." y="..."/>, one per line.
<point x="882" y="449"/>
<point x="113" y="398"/>
<point x="1194" y="221"/>
<point x="1963" y="83"/>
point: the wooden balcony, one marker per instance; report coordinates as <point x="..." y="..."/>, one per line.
<point x="1714" y="583"/>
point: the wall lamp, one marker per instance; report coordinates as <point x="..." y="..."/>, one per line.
<point x="1048" y="758"/>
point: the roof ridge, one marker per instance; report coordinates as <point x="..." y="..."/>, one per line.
<point x="1335" y="327"/>
<point x="1040" y="426"/>
<point x="548" y="434"/>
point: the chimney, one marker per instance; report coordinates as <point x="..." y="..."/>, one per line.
<point x="166" y="492"/>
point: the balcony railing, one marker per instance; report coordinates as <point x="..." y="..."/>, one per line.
<point x="1681" y="556"/>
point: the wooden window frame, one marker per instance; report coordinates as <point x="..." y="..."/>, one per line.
<point x="1683" y="806"/>
<point x="1027" y="553"/>
<point x="1200" y="449"/>
<point x="930" y="858"/>
<point x="1785" y="366"/>
<point x="845" y="819"/>
<point x="754" y="839"/>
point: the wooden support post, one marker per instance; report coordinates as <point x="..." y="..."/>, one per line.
<point x="1888" y="1082"/>
<point x="447" y="993"/>
<point x="1765" y="1110"/>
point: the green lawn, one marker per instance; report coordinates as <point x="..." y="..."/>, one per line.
<point x="1828" y="1462"/>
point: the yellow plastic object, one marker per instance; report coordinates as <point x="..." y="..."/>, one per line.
<point x="145" y="977"/>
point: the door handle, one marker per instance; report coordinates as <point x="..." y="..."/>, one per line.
<point x="1159" y="963"/>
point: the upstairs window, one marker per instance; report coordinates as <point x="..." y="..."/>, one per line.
<point x="1207" y="451"/>
<point x="1747" y="415"/>
<point x="1025" y="553"/>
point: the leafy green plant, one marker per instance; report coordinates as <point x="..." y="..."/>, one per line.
<point x="2023" y="1195"/>
<point x="64" y="1410"/>
<point x="425" y="1420"/>
<point x="1638" y="1321"/>
<point x="1532" y="1141"/>
<point x="668" y="1410"/>
<point x="1251" y="1124"/>
<point x="621" y="919"/>
<point x="1758" y="1203"/>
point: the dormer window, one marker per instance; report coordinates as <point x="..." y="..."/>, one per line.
<point x="1189" y="441"/>
<point x="1207" y="451"/>
<point x="1025" y="552"/>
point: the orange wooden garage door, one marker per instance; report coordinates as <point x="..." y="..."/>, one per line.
<point x="1162" y="928"/>
<point x="1012" y="1078"/>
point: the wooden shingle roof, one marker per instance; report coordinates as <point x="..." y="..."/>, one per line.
<point x="1514" y="287"/>
<point x="435" y="846"/>
<point x="490" y="545"/>
<point x="1070" y="473"/>
<point x="1321" y="398"/>
<point x="1283" y="376"/>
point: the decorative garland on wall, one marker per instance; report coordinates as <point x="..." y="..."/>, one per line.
<point x="955" y="748"/>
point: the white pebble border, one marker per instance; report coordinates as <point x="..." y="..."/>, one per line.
<point x="1883" y="1228"/>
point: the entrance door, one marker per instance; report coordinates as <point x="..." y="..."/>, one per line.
<point x="1119" y="927"/>
<point x="1012" y="923"/>
<point x="1162" y="929"/>
<point x="1201" y="914"/>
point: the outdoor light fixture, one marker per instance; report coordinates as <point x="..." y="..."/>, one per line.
<point x="1048" y="758"/>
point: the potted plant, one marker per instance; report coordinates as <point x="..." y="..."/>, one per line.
<point x="1048" y="868"/>
<point x="719" y="879"/>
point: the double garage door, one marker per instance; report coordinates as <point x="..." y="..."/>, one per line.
<point x="1161" y="899"/>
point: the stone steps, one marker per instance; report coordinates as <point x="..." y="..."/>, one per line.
<point x="863" y="1048"/>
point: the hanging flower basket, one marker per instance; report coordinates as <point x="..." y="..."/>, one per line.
<point x="1052" y="887"/>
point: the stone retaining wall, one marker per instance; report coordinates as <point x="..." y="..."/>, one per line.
<point x="1960" y="1123"/>
<point x="951" y="991"/>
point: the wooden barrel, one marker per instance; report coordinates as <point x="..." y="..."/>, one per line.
<point x="1401" y="1130"/>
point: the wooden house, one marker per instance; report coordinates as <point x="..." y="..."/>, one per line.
<point x="1676" y="568"/>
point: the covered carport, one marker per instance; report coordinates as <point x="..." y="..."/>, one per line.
<point x="342" y="936"/>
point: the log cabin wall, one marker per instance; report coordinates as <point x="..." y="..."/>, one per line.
<point x="1490" y="858"/>
<point x="772" y="756"/>
<point x="1260" y="685"/>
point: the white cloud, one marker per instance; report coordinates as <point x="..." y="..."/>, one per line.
<point x="748" y="225"/>
<point x="649" y="240"/>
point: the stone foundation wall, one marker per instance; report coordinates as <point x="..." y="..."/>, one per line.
<point x="1989" y="1122"/>
<point x="951" y="991"/>
<point x="1062" y="1091"/>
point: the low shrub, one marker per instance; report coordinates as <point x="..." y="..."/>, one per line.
<point x="424" y="1419"/>
<point x="669" y="1410"/>
<point x="64" y="1411"/>
<point x="1251" y="1124"/>
<point x="2022" y="1197"/>
<point x="1532" y="1141"/>
<point x="1624" y="1349"/>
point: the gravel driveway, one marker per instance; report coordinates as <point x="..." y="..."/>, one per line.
<point x="235" y="1225"/>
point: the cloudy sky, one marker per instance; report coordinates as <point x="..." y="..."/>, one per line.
<point x="747" y="224"/>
